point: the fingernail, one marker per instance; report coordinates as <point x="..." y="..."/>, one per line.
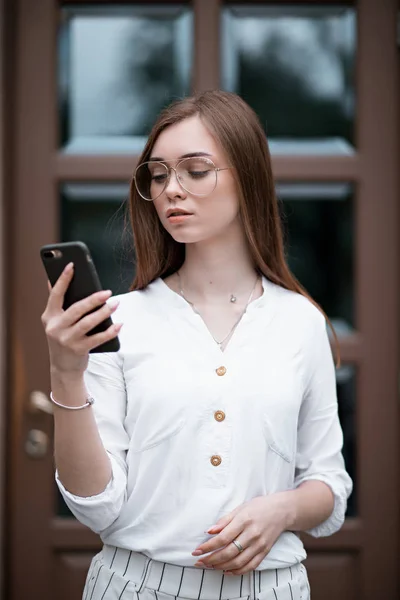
<point x="199" y="564"/>
<point x="113" y="303"/>
<point x="105" y="293"/>
<point x="69" y="267"/>
<point x="118" y="327"/>
<point x="228" y="573"/>
<point x="197" y="553"/>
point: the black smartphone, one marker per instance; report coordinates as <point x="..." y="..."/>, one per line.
<point x="85" y="280"/>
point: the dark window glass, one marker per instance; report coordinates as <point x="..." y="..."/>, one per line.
<point x="62" y="509"/>
<point x="346" y="390"/>
<point x="295" y="66"/>
<point x="97" y="215"/>
<point x="318" y="222"/>
<point x="117" y="68"/>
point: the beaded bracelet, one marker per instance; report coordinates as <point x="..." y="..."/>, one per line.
<point x="89" y="402"/>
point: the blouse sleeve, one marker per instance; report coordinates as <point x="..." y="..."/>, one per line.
<point x="320" y="437"/>
<point x="105" y="382"/>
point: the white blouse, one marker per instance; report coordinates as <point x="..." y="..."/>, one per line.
<point x="192" y="432"/>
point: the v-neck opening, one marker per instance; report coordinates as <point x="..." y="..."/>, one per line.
<point x="183" y="304"/>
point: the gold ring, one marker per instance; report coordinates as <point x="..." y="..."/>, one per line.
<point x="238" y="545"/>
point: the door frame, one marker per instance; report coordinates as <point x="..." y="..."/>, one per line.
<point x="38" y="167"/>
<point x="6" y="79"/>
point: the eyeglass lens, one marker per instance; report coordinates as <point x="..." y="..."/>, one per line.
<point x="196" y="175"/>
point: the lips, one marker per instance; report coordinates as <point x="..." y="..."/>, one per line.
<point x="177" y="212"/>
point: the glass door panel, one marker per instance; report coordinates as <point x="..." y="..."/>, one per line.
<point x="295" y="66"/>
<point x="318" y="221"/>
<point x="97" y="215"/>
<point x="118" y="66"/>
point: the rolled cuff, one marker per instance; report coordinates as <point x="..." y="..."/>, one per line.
<point x="335" y="521"/>
<point x="100" y="511"/>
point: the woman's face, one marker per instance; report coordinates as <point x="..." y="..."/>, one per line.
<point x="209" y="216"/>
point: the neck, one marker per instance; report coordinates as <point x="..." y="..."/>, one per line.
<point x="218" y="268"/>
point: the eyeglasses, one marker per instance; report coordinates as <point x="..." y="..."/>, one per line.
<point x="196" y="175"/>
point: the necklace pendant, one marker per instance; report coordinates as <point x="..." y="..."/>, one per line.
<point x="233" y="298"/>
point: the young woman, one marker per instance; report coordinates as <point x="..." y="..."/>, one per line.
<point x="214" y="436"/>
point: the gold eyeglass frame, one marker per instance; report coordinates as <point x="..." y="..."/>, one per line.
<point x="169" y="169"/>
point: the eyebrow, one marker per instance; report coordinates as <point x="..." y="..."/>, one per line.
<point x="188" y="155"/>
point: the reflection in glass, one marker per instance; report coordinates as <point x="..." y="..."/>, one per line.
<point x="318" y="224"/>
<point x="346" y="391"/>
<point x="96" y="215"/>
<point x="295" y="66"/>
<point x="117" y="68"/>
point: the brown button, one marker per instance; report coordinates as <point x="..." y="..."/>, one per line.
<point x="220" y="371"/>
<point x="216" y="460"/>
<point x="219" y="415"/>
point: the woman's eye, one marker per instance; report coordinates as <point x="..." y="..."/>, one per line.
<point x="159" y="178"/>
<point x="198" y="174"/>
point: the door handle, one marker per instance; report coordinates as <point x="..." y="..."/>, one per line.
<point x="39" y="402"/>
<point x="36" y="443"/>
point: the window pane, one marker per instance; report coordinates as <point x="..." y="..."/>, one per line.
<point x="295" y="66"/>
<point x="318" y="222"/>
<point x="118" y="67"/>
<point x="346" y="391"/>
<point x="96" y="215"/>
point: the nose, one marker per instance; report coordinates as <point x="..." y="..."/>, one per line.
<point x="173" y="187"/>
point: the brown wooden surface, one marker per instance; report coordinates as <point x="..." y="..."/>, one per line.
<point x="4" y="181"/>
<point x="334" y="576"/>
<point x="286" y="168"/>
<point x="31" y="482"/>
<point x="377" y="305"/>
<point x="70" y="568"/>
<point x="357" y="563"/>
<point x="206" y="44"/>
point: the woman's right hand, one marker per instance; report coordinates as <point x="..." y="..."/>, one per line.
<point x="66" y="330"/>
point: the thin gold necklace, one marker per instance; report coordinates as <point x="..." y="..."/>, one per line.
<point x="232" y="299"/>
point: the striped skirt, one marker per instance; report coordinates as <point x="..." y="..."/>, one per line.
<point x="119" y="574"/>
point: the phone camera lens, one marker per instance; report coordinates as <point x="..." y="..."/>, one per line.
<point x="52" y="254"/>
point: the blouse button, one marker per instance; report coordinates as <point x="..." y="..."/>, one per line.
<point x="220" y="371"/>
<point x="219" y="415"/>
<point x="216" y="460"/>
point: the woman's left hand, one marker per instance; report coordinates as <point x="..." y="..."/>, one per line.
<point x="256" y="525"/>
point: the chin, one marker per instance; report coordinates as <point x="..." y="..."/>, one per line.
<point x="184" y="237"/>
<point x="195" y="233"/>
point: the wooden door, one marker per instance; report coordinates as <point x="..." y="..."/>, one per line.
<point x="89" y="79"/>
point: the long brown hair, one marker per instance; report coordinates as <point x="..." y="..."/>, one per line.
<point x="237" y="129"/>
